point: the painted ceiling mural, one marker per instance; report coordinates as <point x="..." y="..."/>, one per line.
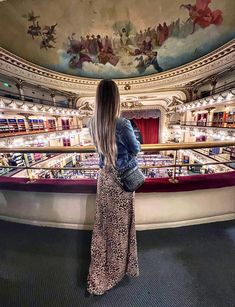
<point x="114" y="39"/>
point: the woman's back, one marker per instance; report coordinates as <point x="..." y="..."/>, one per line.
<point x="113" y="246"/>
<point x="127" y="145"/>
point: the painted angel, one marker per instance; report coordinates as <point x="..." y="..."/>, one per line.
<point x="201" y="14"/>
<point x="31" y="17"/>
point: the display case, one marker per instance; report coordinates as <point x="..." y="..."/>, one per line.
<point x="21" y="125"/>
<point x="13" y="126"/>
<point x="36" y="124"/>
<point x="51" y="125"/>
<point x="4" y="127"/>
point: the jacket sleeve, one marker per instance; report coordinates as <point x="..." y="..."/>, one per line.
<point x="130" y="141"/>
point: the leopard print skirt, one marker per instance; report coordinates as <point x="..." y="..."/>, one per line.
<point x="113" y="245"/>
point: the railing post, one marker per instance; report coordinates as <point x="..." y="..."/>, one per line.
<point x="173" y="179"/>
<point x="29" y="171"/>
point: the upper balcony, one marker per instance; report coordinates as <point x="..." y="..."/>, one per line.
<point x="214" y="124"/>
<point x="24" y="106"/>
<point x="226" y="97"/>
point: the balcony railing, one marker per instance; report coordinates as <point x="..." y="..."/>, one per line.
<point x="214" y="124"/>
<point x="173" y="169"/>
<point x="27" y="131"/>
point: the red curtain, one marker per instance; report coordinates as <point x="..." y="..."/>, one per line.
<point x="148" y="128"/>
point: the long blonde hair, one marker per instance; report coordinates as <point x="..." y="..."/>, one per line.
<point x="103" y="124"/>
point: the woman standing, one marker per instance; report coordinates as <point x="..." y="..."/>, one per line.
<point x="113" y="246"/>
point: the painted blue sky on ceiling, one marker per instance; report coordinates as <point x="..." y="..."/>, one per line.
<point x="98" y="40"/>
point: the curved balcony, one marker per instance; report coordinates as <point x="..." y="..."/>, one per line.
<point x="160" y="202"/>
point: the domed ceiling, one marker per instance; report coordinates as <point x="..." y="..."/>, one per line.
<point x="114" y="39"/>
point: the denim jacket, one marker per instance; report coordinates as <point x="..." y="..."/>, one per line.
<point x="127" y="146"/>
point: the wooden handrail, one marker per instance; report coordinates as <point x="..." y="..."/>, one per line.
<point x="144" y="147"/>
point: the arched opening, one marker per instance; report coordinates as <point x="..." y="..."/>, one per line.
<point x="146" y="124"/>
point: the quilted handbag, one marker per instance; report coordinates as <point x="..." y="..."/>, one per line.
<point x="131" y="179"/>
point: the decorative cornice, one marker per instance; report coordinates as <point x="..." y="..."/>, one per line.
<point x="147" y="107"/>
<point x="166" y="95"/>
<point x="208" y="102"/>
<point x="24" y="107"/>
<point x="215" y="61"/>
